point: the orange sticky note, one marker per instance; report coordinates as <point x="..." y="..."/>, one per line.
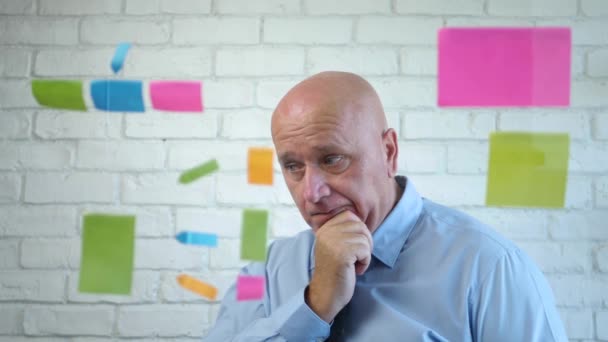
<point x="259" y="165"/>
<point x="197" y="286"/>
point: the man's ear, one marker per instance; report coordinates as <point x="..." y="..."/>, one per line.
<point x="391" y="151"/>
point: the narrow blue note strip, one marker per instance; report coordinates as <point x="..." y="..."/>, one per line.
<point x="201" y="239"/>
<point x="117" y="95"/>
<point x="119" y="56"/>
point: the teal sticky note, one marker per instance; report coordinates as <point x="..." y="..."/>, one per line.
<point x="254" y="236"/>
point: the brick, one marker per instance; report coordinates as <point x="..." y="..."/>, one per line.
<point x="241" y="94"/>
<point x="175" y="63"/>
<point x="554" y="257"/>
<point x="32" y="286"/>
<point x="467" y="157"/>
<point x="143" y="7"/>
<point x="16" y="94"/>
<point x="38" y="30"/>
<point x="451" y="190"/>
<point x="227" y="255"/>
<point x="575" y="123"/>
<point x="287" y="222"/>
<point x="9" y="255"/>
<point x="225" y="222"/>
<point x="586" y="31"/>
<point x="301" y="30"/>
<point x="397" y="30"/>
<point x="83" y="62"/>
<point x="15" y="62"/>
<point x="68" y="187"/>
<point x="246" y="124"/>
<point x="144" y="320"/>
<point x="344" y="7"/>
<point x="144" y="289"/>
<point x="601" y="324"/>
<point x="578" y="193"/>
<point x="594" y="8"/>
<point x="488" y="21"/>
<point x="37" y="221"/>
<point x="187" y="154"/>
<point x="15" y="124"/>
<point x="589" y="93"/>
<point x="363" y="61"/>
<point x="269" y="93"/>
<point x="69" y="320"/>
<point x="419" y="61"/>
<point x="234" y="189"/>
<point x="50" y="253"/>
<point x="446" y="124"/>
<point x="601" y="258"/>
<point x="578" y="323"/>
<point x="596" y="63"/>
<point x="45" y="156"/>
<point x="17" y="7"/>
<point x="69" y="125"/>
<point x="588" y="157"/>
<point x="75" y="7"/>
<point x="417" y="157"/>
<point x="259" y="62"/>
<point x="587" y="225"/>
<point x="514" y="223"/>
<point x="577" y="68"/>
<point x="168" y="125"/>
<point x="10" y="187"/>
<point x="533" y="8"/>
<point x="121" y="155"/>
<point x="600" y="126"/>
<point x="393" y="119"/>
<point x="172" y="292"/>
<point x="395" y="93"/>
<point x="257" y="7"/>
<point x="113" y="30"/>
<point x="151" y="221"/>
<point x="163" y="188"/>
<point x="222" y="30"/>
<point x="174" y="255"/>
<point x="579" y="291"/>
<point x="601" y="192"/>
<point x="12" y="316"/>
<point x="31" y="338"/>
<point x="440" y="7"/>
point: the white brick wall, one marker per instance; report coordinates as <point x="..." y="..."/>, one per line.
<point x="56" y="166"/>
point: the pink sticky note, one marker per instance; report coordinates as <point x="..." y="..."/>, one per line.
<point x="504" y="66"/>
<point x="178" y="96"/>
<point x="249" y="287"/>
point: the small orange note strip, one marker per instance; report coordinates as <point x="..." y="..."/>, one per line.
<point x="259" y="165"/>
<point x="197" y="286"/>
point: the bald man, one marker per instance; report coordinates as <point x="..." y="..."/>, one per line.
<point x="380" y="262"/>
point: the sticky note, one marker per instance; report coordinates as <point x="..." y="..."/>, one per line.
<point x="107" y="254"/>
<point x="527" y="169"/>
<point x="177" y="96"/>
<point x="62" y="94"/>
<point x="249" y="287"/>
<point x="199" y="239"/>
<point x="195" y="173"/>
<point x="259" y="165"/>
<point x="254" y="234"/>
<point x="504" y="66"/>
<point x="117" y="95"/>
<point x="119" y="56"/>
<point x="197" y="286"/>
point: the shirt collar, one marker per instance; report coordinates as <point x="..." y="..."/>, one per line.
<point x="392" y="234"/>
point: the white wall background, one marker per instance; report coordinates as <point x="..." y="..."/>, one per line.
<point x="57" y="165"/>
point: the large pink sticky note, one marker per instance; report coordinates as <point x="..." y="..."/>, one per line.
<point x="178" y="96"/>
<point x="504" y="66"/>
<point x="249" y="287"/>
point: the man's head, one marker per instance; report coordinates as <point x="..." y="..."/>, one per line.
<point x="335" y="149"/>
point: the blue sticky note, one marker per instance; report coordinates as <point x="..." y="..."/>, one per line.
<point x="200" y="239"/>
<point x="117" y="95"/>
<point x="119" y="56"/>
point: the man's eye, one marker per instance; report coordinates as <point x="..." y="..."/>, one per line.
<point x="333" y="160"/>
<point x="292" y="167"/>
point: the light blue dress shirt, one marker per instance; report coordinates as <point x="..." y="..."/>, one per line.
<point x="436" y="275"/>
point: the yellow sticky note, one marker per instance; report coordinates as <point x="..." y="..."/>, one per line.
<point x="259" y="165"/>
<point x="197" y="286"/>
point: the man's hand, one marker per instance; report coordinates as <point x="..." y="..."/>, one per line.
<point x="343" y="248"/>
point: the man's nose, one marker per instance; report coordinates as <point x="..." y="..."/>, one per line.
<point x="315" y="185"/>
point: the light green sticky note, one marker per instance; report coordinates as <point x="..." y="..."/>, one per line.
<point x="107" y="254"/>
<point x="63" y="94"/>
<point x="528" y="169"/>
<point x="254" y="235"/>
<point x="195" y="173"/>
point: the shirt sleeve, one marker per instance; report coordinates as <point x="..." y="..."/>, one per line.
<point x="252" y="320"/>
<point x="515" y="303"/>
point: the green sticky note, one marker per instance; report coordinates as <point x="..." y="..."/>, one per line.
<point x="254" y="235"/>
<point x="107" y="254"/>
<point x="195" y="173"/>
<point x="528" y="169"/>
<point x="63" y="94"/>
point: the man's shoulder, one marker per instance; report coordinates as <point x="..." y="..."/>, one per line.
<point x="297" y="246"/>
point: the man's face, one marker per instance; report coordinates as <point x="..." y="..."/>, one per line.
<point x="332" y="163"/>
